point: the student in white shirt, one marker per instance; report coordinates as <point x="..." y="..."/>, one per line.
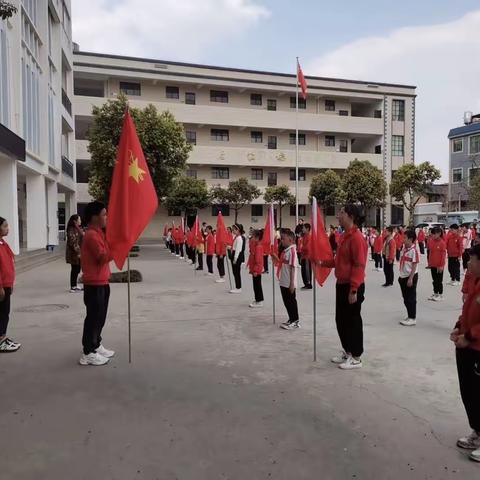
<point x="238" y="256"/>
<point x="408" y="277"/>
<point x="466" y="234"/>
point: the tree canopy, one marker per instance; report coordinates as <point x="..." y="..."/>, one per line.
<point x="188" y="194"/>
<point x="279" y="195"/>
<point x="238" y="194"/>
<point x="7" y="10"/>
<point x="162" y="138"/>
<point x="326" y="187"/>
<point x="411" y="182"/>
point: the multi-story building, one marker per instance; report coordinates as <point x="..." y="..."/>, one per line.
<point x="242" y="124"/>
<point x="37" y="171"/>
<point x="464" y="144"/>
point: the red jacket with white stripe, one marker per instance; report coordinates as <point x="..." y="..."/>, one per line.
<point x="7" y="266"/>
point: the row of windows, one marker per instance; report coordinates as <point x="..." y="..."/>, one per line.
<point x="4" y="107"/>
<point x="256" y="211"/>
<point x="223" y="173"/>
<point x="474" y="145"/>
<point x="458" y="177"/>
<point x="31" y="102"/>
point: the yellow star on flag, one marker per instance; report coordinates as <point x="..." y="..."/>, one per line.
<point x="134" y="170"/>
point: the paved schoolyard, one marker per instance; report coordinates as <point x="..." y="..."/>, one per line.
<point x="216" y="391"/>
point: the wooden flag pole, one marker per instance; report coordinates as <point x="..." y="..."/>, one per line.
<point x="129" y="312"/>
<point x="273" y="290"/>
<point x="314" y="319"/>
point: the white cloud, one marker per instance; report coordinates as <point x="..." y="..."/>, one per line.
<point x="442" y="60"/>
<point x="169" y="29"/>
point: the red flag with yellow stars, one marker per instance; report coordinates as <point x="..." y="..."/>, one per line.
<point x="133" y="199"/>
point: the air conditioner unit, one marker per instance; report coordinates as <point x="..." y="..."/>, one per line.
<point x="467" y="118"/>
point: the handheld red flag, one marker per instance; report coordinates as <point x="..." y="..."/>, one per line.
<point x="197" y="232"/>
<point x="302" y="81"/>
<point x="268" y="239"/>
<point x="321" y="249"/>
<point x="133" y="199"/>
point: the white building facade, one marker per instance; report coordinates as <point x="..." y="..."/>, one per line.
<point x="242" y="124"/>
<point x="37" y="184"/>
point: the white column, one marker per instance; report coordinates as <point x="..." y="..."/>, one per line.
<point x="36" y="212"/>
<point x="52" y="213"/>
<point x="9" y="200"/>
<point x="70" y="204"/>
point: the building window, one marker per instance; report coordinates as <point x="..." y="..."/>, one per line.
<point x="222" y="173"/>
<point x="4" y="91"/>
<point x="191" y="137"/>
<point x="475" y="144"/>
<point x="172" y="92"/>
<point x="256" y="137"/>
<point x="301" y="174"/>
<point x="457" y="145"/>
<point x="257" y="174"/>
<point x="82" y="124"/>
<point x="378" y="149"/>
<point x="190" y="98"/>
<point x="344" y="146"/>
<point x="131" y="88"/>
<point x="225" y="209"/>
<point x="82" y="171"/>
<point x="271" y="104"/>
<point x="302" y="102"/>
<point x="218" y="96"/>
<point x="397" y="145"/>
<point x="398" y="110"/>
<point x="329" y="140"/>
<point x="343" y="113"/>
<point x="255" y="99"/>
<point x="272" y="142"/>
<point x="301" y="139"/>
<point x="329" y="105"/>
<point x="457" y="175"/>
<point x="377" y="114"/>
<point x="257" y="210"/>
<point x="272" y="179"/>
<point x="302" y="210"/>
<point x="174" y="212"/>
<point x="192" y="173"/>
<point x="88" y="87"/>
<point x="219" y="135"/>
<point x="472" y="173"/>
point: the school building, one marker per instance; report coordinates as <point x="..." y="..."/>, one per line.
<point x="37" y="168"/>
<point x="242" y="124"/>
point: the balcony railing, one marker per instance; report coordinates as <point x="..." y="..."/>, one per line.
<point x="67" y="167"/>
<point x="66" y="102"/>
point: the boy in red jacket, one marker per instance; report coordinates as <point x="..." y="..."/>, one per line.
<point x="96" y="275"/>
<point x="377" y="250"/>
<point x="389" y="251"/>
<point x="454" y="251"/>
<point x="209" y="249"/>
<point x="436" y="261"/>
<point x="306" y="267"/>
<point x="7" y="279"/>
<point x="466" y="337"/>
<point x="255" y="266"/>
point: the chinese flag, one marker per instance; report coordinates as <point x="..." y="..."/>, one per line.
<point x="302" y="81"/>
<point x="133" y="199"/>
<point x="197" y="233"/>
<point x="222" y="233"/>
<point x="269" y="232"/>
<point x="320" y="246"/>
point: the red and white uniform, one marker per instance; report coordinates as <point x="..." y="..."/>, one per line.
<point x="409" y="258"/>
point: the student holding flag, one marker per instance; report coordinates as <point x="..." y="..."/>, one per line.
<point x="209" y="249"/>
<point x="255" y="266"/>
<point x="221" y="241"/>
<point x="238" y="256"/>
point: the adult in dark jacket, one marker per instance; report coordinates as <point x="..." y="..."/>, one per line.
<point x="72" y="253"/>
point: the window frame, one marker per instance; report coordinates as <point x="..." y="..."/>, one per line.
<point x="302" y="103"/>
<point x="256" y="136"/>
<point x="453" y="175"/>
<point x="272" y="104"/>
<point x="395" y="148"/>
<point x="193" y="140"/>
<point x="191" y="173"/>
<point x="256" y="174"/>
<point x="216" y="173"/>
<point x="330" y="141"/>
<point x="256" y="99"/>
<point x="129" y="91"/>
<point x="302" y="210"/>
<point x="190" y="95"/>
<point x="270" y="144"/>
<point x="259" y="206"/>
<point x="302" y="139"/>
<point x="330" y="105"/>
<point x="219" y="135"/>
<point x="470" y="144"/>
<point x="470" y="174"/>
<point x="173" y="94"/>
<point x="343" y="148"/>
<point x="270" y="177"/>
<point x="301" y="178"/>
<point x="219" y="96"/>
<point x="221" y="207"/>
<point x="398" y="110"/>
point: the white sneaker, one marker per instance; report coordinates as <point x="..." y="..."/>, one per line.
<point x="105" y="352"/>
<point x="182" y="258"/>
<point x="256" y="305"/>
<point x="456" y="284"/>
<point x="438" y="298"/>
<point x="350" y="364"/>
<point x="190" y="262"/>
<point x="342" y="358"/>
<point x="8" y="345"/>
<point x="472" y="442"/>
<point x="220" y="280"/>
<point x="93" y="359"/>
<point x="432" y="297"/>
<point x="290" y="325"/>
<point x="451" y="282"/>
<point x="408" y="322"/>
<point x="475" y="455"/>
<point x="210" y="274"/>
<point x="235" y="290"/>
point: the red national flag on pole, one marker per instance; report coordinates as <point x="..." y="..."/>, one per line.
<point x="222" y="234"/>
<point x="268" y="239"/>
<point x="133" y="199"/>
<point x="197" y="232"/>
<point x="302" y="81"/>
<point x="321" y="249"/>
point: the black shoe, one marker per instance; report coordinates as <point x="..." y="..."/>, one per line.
<point x="199" y="268"/>
<point x="385" y="285"/>
<point x="306" y="287"/>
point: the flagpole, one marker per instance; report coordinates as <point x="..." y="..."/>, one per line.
<point x="228" y="270"/>
<point x="273" y="290"/>
<point x="296" y="149"/>
<point x="129" y="312"/>
<point x="314" y="319"/>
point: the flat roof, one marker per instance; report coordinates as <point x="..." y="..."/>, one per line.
<point x="240" y="70"/>
<point x="465" y="130"/>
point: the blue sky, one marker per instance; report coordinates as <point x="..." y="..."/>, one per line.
<point x="433" y="44"/>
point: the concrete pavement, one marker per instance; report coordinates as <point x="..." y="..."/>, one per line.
<point x="216" y="391"/>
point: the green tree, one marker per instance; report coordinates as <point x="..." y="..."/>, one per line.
<point x="326" y="187"/>
<point x="474" y="191"/>
<point x="411" y="182"/>
<point x="162" y="138"/>
<point x="7" y="10"/>
<point x="238" y="194"/>
<point x="188" y="194"/>
<point x="279" y="195"/>
<point x="364" y="183"/>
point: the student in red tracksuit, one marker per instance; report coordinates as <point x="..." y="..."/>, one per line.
<point x="181" y="241"/>
<point x="436" y="262"/>
<point x="377" y="250"/>
<point x="466" y="337"/>
<point x="209" y="249"/>
<point x="399" y="238"/>
<point x="255" y="267"/>
<point x="454" y="243"/>
<point x="350" y="263"/>
<point x="96" y="257"/>
<point x="421" y="240"/>
<point x="7" y="279"/>
<point x="306" y="267"/>
<point x="389" y="251"/>
<point x="221" y="253"/>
